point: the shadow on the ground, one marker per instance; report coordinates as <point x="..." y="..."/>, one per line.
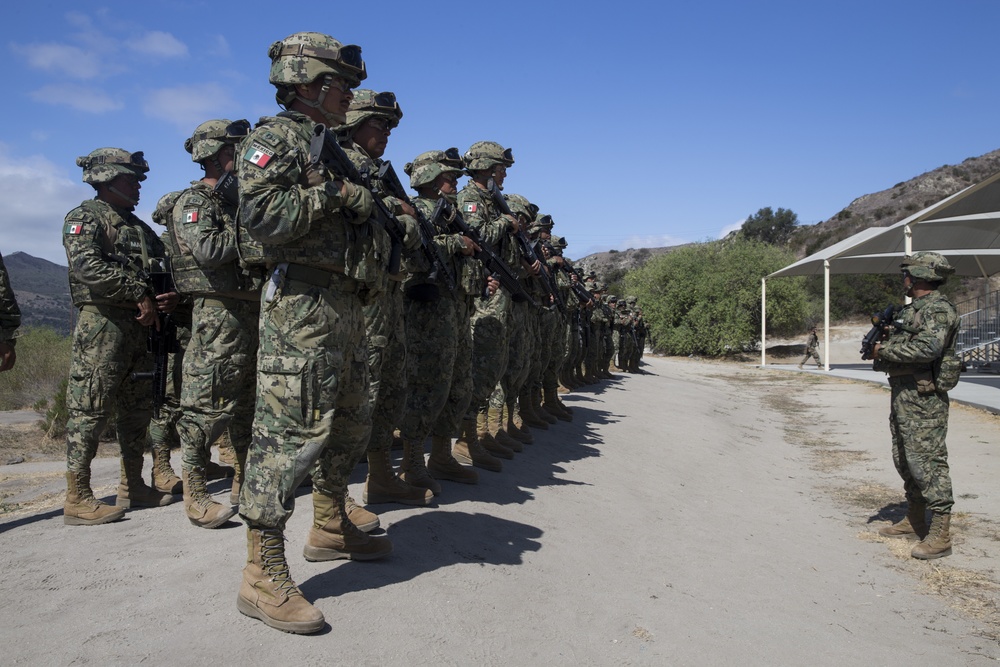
<point x="894" y="512"/>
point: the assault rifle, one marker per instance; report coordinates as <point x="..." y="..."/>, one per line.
<point x="880" y="325"/>
<point x="583" y="295"/>
<point x="160" y="341"/>
<point x="526" y="248"/>
<point x="325" y="151"/>
<point x="228" y="188"/>
<point x="491" y="261"/>
<point x="440" y="266"/>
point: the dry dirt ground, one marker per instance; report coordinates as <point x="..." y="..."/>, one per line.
<point x="700" y="513"/>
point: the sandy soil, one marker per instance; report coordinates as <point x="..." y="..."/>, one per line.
<point x="701" y="513"/>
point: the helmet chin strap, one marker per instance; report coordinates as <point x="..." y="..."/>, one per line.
<point x="134" y="202"/>
<point x="333" y="119"/>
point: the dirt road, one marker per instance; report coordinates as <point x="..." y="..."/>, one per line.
<point x="702" y="513"/>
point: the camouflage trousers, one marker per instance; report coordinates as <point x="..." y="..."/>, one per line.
<point x="574" y="342"/>
<point x="217" y="391"/>
<point x="108" y="346"/>
<point x="553" y="333"/>
<point x="489" y="346"/>
<point x="811" y="353"/>
<point x="594" y="348"/>
<point x="521" y="334"/>
<point x="541" y="350"/>
<point x="918" y="424"/>
<point x="439" y="360"/>
<point x="386" y="366"/>
<point x="312" y="413"/>
<point x="163" y="429"/>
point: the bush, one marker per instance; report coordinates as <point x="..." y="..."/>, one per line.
<point x="705" y="298"/>
<point x="43" y="357"/>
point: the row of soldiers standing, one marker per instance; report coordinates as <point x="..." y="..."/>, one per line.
<point x="327" y="311"/>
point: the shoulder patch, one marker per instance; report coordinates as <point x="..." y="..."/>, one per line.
<point x="268" y="138"/>
<point x="258" y="154"/>
<point x="190" y="215"/>
<point x="941" y="318"/>
<point x="73" y="228"/>
<point x="471" y="207"/>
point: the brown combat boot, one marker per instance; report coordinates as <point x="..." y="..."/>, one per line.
<point x="527" y="416"/>
<point x="414" y="470"/>
<point x="554" y="408"/>
<point x="443" y="465"/>
<point x="365" y="521"/>
<point x="201" y="510"/>
<point x="383" y="485"/>
<point x="473" y="453"/>
<point x="334" y="537"/>
<point x="268" y="592"/>
<point x="508" y="431"/>
<point x="468" y="435"/>
<point x="483" y="428"/>
<point x="912" y="527"/>
<point x="164" y="478"/>
<point x="132" y="489"/>
<point x="937" y="544"/>
<point x="240" y="468"/>
<point x="507" y="438"/>
<point x="535" y="396"/>
<point x="81" y="507"/>
<point x="511" y="423"/>
<point x="227" y="453"/>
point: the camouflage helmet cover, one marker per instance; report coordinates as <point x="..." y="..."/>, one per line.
<point x="368" y="103"/>
<point x="487" y="154"/>
<point x="305" y="56"/>
<point x="209" y="137"/>
<point x="519" y="205"/>
<point x="929" y="266"/>
<point x="105" y="164"/>
<point x="558" y="242"/>
<point x="631" y="300"/>
<point x="541" y="223"/>
<point x="430" y="164"/>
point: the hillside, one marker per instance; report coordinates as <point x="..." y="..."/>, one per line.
<point x="42" y="291"/>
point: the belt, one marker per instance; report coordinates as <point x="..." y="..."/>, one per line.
<point x="315" y="276"/>
<point x="104" y="308"/>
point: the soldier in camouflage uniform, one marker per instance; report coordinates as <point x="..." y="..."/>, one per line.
<point x="483" y="161"/>
<point x="10" y="320"/>
<point x="920" y="345"/>
<point x="439" y="357"/>
<point x="812" y="344"/>
<point x="220" y="362"/>
<point x="312" y="366"/>
<point x="110" y="253"/>
<point x="550" y="324"/>
<point x="370" y="121"/>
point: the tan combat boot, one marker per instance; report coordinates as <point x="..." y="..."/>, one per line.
<point x="937" y="544"/>
<point x="383" y="485"/>
<point x="268" y="592"/>
<point x="474" y="454"/>
<point x="503" y="437"/>
<point x="240" y="469"/>
<point x="467" y="435"/>
<point x="554" y="407"/>
<point x="334" y="537"/>
<point x="508" y="432"/>
<point x="132" y="489"/>
<point x="164" y="478"/>
<point x="912" y="527"/>
<point x="483" y="428"/>
<point x="81" y="507"/>
<point x="443" y="465"/>
<point x="365" y="521"/>
<point x="201" y="510"/>
<point x="227" y="453"/>
<point x="535" y="396"/>
<point x="510" y="421"/>
<point x="527" y="416"/>
<point x="414" y="470"/>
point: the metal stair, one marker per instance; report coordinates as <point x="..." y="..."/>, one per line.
<point x="978" y="342"/>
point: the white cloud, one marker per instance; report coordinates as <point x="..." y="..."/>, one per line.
<point x="188" y="106"/>
<point x="158" y="43"/>
<point x="82" y="98"/>
<point x="651" y="241"/>
<point x="36" y="195"/>
<point x="219" y="47"/>
<point x="61" y="59"/>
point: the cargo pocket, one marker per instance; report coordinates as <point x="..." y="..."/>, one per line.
<point x="285" y="392"/>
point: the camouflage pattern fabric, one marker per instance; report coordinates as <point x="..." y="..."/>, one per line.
<point x="811" y="346"/>
<point x="10" y="314"/>
<point x="312" y="412"/>
<point x="163" y="430"/>
<point x="108" y="343"/>
<point x="553" y="336"/>
<point x="387" y="354"/>
<point x="918" y="419"/>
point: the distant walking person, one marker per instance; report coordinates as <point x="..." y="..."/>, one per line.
<point x="10" y="320"/>
<point x="812" y="345"/>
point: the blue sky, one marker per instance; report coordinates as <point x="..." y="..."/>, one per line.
<point x="632" y="123"/>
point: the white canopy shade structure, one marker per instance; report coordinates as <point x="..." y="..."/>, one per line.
<point x="964" y="227"/>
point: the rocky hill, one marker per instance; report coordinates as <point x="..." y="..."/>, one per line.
<point x="42" y="291"/>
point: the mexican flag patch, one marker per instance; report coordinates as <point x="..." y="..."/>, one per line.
<point x="258" y="155"/>
<point x="191" y="216"/>
<point x="471" y="207"/>
<point x="74" y="228"/>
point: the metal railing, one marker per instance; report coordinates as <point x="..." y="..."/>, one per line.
<point x="978" y="341"/>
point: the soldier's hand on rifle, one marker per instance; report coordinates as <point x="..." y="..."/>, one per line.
<point x="535" y="268"/>
<point x="167" y="303"/>
<point x="492" y="285"/>
<point x="406" y="208"/>
<point x="314" y="175"/>
<point x="878" y="346"/>
<point x="511" y="222"/>
<point x="469" y="247"/>
<point x="147" y="313"/>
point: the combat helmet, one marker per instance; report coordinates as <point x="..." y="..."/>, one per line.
<point x="929" y="266"/>
<point x="427" y="166"/>
<point x="306" y="56"/>
<point x="631" y="300"/>
<point x="519" y="205"/>
<point x="487" y="154"/>
<point x="368" y="103"/>
<point x="105" y="164"/>
<point x="558" y="242"/>
<point x="541" y="223"/>
<point x="209" y="137"/>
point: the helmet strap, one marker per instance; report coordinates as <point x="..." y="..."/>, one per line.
<point x="134" y="202"/>
<point x="331" y="118"/>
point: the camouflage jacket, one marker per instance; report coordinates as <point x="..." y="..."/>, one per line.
<point x="10" y="314"/>
<point x="468" y="275"/>
<point x="925" y="329"/>
<point x="293" y="221"/>
<point x="812" y="343"/>
<point x="108" y="250"/>
<point x="201" y="242"/>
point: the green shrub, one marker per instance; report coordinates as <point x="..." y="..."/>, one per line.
<point x="43" y="357"/>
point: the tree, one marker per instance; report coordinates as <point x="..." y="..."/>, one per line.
<point x="774" y="227"/>
<point x="705" y="298"/>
